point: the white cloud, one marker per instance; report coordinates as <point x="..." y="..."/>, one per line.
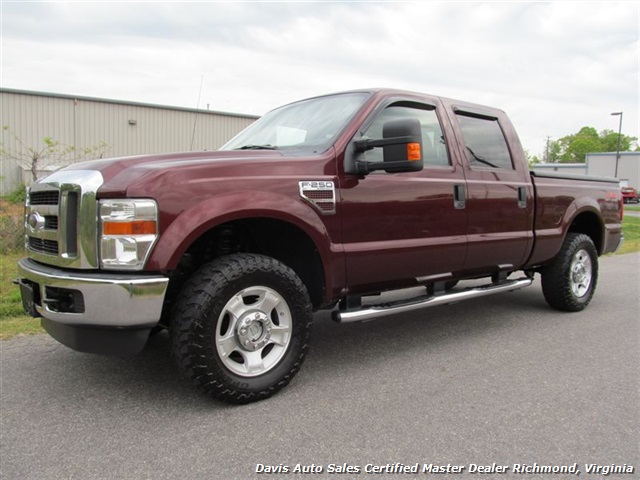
<point x="554" y="67"/>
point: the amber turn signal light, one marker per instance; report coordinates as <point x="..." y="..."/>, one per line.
<point x="413" y="151"/>
<point x="139" y="227"/>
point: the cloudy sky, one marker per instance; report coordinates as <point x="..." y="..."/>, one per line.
<point x="552" y="66"/>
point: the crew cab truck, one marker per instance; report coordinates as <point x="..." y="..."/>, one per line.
<point x="316" y="205"/>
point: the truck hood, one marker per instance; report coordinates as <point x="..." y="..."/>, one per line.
<point x="121" y="174"/>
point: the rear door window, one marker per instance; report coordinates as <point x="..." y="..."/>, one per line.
<point x="485" y="144"/>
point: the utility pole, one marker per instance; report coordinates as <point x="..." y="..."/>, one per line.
<point x="619" y="136"/>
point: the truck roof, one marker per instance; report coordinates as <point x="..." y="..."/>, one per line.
<point x="383" y="92"/>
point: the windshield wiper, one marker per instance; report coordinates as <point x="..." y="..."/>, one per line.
<point x="480" y="159"/>
<point x="256" y="147"/>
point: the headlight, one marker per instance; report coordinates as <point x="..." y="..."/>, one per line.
<point x="129" y="228"/>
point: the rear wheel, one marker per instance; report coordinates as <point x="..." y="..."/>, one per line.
<point x="569" y="282"/>
<point x="241" y="327"/>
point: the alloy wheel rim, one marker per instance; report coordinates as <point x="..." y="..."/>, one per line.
<point x="253" y="331"/>
<point x="581" y="273"/>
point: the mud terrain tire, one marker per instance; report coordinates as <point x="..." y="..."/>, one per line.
<point x="569" y="282"/>
<point x="240" y="328"/>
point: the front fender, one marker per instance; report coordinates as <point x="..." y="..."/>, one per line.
<point x="202" y="217"/>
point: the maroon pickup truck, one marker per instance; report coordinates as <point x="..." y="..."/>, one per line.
<point x="314" y="206"/>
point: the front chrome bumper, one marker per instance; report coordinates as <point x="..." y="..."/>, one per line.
<point x="91" y="299"/>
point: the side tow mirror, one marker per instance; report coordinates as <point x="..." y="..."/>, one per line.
<point x="402" y="148"/>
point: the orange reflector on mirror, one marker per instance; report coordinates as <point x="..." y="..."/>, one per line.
<point x="139" y="227"/>
<point x="413" y="152"/>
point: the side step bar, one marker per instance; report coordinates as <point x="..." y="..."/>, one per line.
<point x="374" y="311"/>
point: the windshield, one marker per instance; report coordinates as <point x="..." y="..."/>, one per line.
<point x="312" y="123"/>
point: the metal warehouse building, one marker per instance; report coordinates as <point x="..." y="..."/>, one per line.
<point x="106" y="128"/>
<point x="605" y="164"/>
<point x="602" y="164"/>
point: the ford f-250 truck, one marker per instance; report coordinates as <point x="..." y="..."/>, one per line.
<point x="316" y="205"/>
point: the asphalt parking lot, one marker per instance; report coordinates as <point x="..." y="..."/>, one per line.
<point x="502" y="379"/>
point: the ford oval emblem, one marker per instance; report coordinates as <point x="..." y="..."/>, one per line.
<point x="35" y="221"/>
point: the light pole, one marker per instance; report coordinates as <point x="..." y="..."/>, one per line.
<point x="619" y="135"/>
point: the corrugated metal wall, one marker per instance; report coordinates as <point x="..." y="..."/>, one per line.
<point x="106" y="128"/>
<point x="604" y="164"/>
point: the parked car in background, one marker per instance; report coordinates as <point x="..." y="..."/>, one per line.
<point x="629" y="195"/>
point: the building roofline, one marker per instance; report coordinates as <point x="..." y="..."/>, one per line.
<point x="613" y="153"/>
<point x="123" y="102"/>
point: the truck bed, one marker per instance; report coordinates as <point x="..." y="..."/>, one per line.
<point x="562" y="197"/>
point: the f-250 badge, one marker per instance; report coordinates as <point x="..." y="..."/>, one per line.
<point x="321" y="194"/>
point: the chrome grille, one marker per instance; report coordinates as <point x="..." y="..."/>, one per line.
<point x="41" y="222"/>
<point x="46" y="247"/>
<point x="44" y="198"/>
<point x="51" y="222"/>
<point x="61" y="219"/>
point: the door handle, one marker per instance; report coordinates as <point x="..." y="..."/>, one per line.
<point x="459" y="196"/>
<point x="522" y="197"/>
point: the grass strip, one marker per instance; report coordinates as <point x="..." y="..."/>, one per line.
<point x="13" y="320"/>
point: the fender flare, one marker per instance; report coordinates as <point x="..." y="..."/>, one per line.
<point x="578" y="207"/>
<point x="192" y="223"/>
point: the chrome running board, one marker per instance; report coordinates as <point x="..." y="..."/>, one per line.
<point x="374" y="311"/>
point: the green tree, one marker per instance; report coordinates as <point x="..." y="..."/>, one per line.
<point x="553" y="152"/>
<point x="610" y="141"/>
<point x="574" y="148"/>
<point x="49" y="152"/>
<point x="531" y="159"/>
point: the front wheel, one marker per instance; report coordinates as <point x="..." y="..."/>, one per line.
<point x="241" y="327"/>
<point x="569" y="282"/>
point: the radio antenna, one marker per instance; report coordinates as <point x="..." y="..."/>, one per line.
<point x="195" y="120"/>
